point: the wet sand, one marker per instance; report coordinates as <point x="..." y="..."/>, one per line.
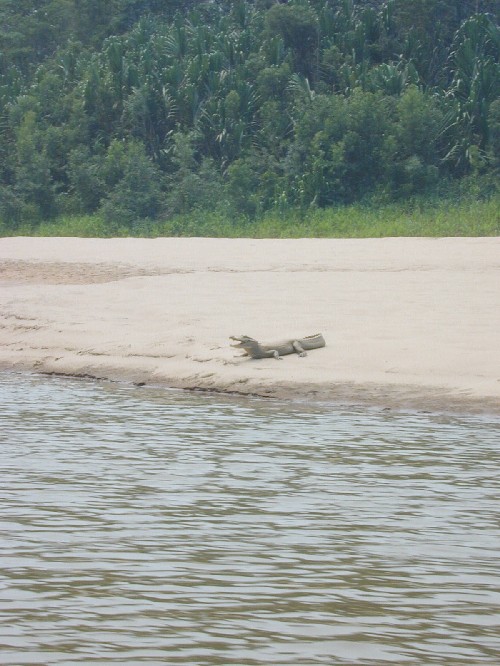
<point x="409" y="323"/>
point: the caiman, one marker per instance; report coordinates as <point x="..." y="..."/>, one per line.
<point x="298" y="346"/>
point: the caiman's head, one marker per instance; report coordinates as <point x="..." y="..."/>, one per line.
<point x="244" y="342"/>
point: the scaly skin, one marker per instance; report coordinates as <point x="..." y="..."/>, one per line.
<point x="298" y="346"/>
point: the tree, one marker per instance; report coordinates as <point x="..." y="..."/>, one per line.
<point x="416" y="149"/>
<point x="134" y="183"/>
<point x="133" y="107"/>
<point x="364" y="143"/>
<point x="475" y="86"/>
<point x="494" y="132"/>
<point x="297" y="25"/>
<point x="33" y="181"/>
<point x="192" y="184"/>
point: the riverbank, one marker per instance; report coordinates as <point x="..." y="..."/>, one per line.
<point x="409" y="323"/>
<point x="457" y="215"/>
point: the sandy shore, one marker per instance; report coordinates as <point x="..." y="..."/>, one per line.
<point x="409" y="323"/>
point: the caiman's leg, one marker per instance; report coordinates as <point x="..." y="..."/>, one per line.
<point x="298" y="348"/>
<point x="269" y="353"/>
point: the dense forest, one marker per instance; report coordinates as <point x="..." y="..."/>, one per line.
<point x="136" y="110"/>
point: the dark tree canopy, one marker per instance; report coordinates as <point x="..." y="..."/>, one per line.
<point x="144" y="108"/>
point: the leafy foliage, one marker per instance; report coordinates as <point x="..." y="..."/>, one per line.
<point x="142" y="109"/>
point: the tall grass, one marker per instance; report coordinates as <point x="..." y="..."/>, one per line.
<point x="446" y="218"/>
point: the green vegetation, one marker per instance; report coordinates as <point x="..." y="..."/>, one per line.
<point x="299" y="118"/>
<point x="471" y="218"/>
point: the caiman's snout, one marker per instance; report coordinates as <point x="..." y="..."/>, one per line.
<point x="241" y="340"/>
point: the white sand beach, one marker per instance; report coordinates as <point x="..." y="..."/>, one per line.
<point x="409" y="322"/>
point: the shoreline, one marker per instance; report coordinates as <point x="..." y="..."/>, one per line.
<point x="394" y="399"/>
<point x="409" y="323"/>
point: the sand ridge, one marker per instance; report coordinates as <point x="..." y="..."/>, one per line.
<point x="408" y="322"/>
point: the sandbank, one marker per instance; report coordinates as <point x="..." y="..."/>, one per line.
<point x="409" y="322"/>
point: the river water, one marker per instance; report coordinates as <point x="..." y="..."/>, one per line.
<point x="144" y="526"/>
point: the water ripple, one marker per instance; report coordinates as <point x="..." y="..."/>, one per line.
<point x="142" y="526"/>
